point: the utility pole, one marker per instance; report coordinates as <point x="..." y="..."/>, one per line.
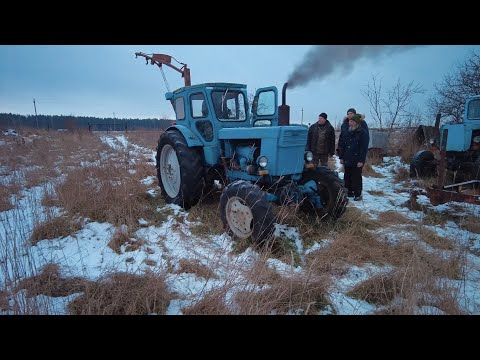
<point x="35" y="106"/>
<point x="113" y="121"/>
<point x="302" y="115"/>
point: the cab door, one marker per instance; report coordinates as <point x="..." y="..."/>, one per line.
<point x="265" y="107"/>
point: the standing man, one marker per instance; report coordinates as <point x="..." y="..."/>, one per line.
<point x="345" y="126"/>
<point x="321" y="140"/>
<point x="353" y="154"/>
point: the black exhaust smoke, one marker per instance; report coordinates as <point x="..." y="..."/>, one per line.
<point x="284" y="109"/>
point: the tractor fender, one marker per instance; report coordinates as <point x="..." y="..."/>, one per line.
<point x="191" y="139"/>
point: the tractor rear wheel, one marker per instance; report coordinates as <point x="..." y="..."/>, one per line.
<point x="423" y="164"/>
<point x="331" y="191"/>
<point x="245" y="212"/>
<point x="179" y="170"/>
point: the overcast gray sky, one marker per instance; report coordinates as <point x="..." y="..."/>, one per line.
<point x="101" y="80"/>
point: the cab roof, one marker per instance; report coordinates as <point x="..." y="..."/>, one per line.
<point x="204" y="85"/>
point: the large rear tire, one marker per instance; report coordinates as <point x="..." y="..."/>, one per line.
<point x="179" y="170"/>
<point x="246" y="213"/>
<point x="423" y="164"/>
<point x="331" y="191"/>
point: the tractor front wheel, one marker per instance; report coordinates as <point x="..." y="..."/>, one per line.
<point x="245" y="212"/>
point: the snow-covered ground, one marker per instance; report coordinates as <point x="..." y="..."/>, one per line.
<point x="86" y="253"/>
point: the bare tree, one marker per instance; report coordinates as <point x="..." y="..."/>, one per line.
<point x="451" y="93"/>
<point x="394" y="108"/>
<point x="372" y="94"/>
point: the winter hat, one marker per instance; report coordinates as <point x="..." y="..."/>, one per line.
<point x="323" y="115"/>
<point x="358" y="118"/>
<point x="352" y="110"/>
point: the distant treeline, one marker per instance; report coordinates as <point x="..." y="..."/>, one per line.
<point x="76" y="122"/>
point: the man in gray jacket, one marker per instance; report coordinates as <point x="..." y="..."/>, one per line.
<point x="321" y="140"/>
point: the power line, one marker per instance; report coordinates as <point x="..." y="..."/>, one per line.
<point x="35" y="106"/>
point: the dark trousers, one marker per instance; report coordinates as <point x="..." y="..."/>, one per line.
<point x="353" y="180"/>
<point x="323" y="158"/>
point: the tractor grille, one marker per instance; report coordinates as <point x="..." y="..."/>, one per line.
<point x="293" y="138"/>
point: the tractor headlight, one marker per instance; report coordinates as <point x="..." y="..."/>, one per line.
<point x="308" y="156"/>
<point x="432" y="141"/>
<point x="262" y="161"/>
<point x="476" y="139"/>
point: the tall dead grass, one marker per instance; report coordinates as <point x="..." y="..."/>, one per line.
<point x="54" y="227"/>
<point x="295" y="295"/>
<point x="104" y="194"/>
<point x="123" y="294"/>
<point x="146" y="138"/>
<point x="404" y="290"/>
<point x="49" y="282"/>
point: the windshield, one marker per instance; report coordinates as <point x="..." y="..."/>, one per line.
<point x="473" y="112"/>
<point x="229" y="105"/>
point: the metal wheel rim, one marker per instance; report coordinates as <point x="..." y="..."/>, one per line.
<point x="239" y="217"/>
<point x="170" y="171"/>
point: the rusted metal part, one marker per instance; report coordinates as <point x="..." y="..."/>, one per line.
<point x="162" y="59"/>
<point x="443" y="195"/>
<point x="413" y="204"/>
<point x="443" y="160"/>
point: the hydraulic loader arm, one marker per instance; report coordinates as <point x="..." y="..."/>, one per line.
<point x="162" y="59"/>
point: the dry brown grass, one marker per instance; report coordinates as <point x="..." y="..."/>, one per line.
<point x="208" y="215"/>
<point x="446" y="266"/>
<point x="145" y="169"/>
<point x="54" y="227"/>
<point x="118" y="239"/>
<point x="145" y="138"/>
<point x="306" y="295"/>
<point x="50" y="283"/>
<point x="401" y="144"/>
<point x="374" y="158"/>
<point x="433" y="239"/>
<point x="349" y="249"/>
<point x="212" y="303"/>
<point x="4" y="304"/>
<point x="470" y="223"/>
<point x="190" y="266"/>
<point x="7" y="190"/>
<point x="262" y="274"/>
<point x="432" y="217"/>
<point x="353" y="244"/>
<point x="369" y="171"/>
<point x="5" y="203"/>
<point x="392" y="217"/>
<point x="408" y="288"/>
<point x="36" y="177"/>
<point x="312" y="229"/>
<point x="105" y="194"/>
<point x="123" y="294"/>
<point x="401" y="174"/>
<point x="49" y="199"/>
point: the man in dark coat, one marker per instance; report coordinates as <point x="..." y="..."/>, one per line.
<point x="321" y="140"/>
<point x="345" y="126"/>
<point x="353" y="154"/>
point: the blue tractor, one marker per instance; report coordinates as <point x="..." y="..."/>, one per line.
<point x="256" y="156"/>
<point x="457" y="151"/>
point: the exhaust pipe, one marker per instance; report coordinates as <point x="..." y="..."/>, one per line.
<point x="284" y="109"/>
